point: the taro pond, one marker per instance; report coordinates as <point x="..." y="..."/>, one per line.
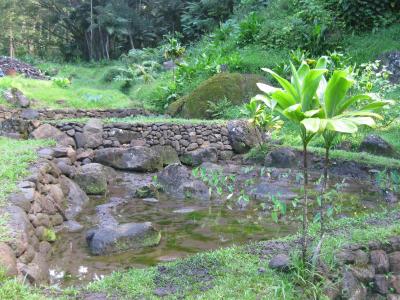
<point x="240" y="210"/>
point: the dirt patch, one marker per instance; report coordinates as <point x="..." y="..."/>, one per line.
<point x="185" y="276"/>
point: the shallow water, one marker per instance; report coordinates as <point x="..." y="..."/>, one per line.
<point x="188" y="227"/>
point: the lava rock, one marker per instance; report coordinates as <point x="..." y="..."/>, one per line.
<point x="352" y="288"/>
<point x="380" y="261"/>
<point x="197" y="157"/>
<point x="92" y="135"/>
<point x="46" y="131"/>
<point x="8" y="261"/>
<point x="376" y="145"/>
<point x="92" y="179"/>
<point x="121" y="238"/>
<point x="280" y="262"/>
<point x="177" y="182"/>
<point x="281" y="158"/>
<point x="167" y="153"/>
<point x="140" y="159"/>
<point x="242" y="136"/>
<point x="16" y="98"/>
<point x="76" y="198"/>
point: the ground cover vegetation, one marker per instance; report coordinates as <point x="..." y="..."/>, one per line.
<point x="204" y="59"/>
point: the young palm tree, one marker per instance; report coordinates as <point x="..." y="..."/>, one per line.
<point x="297" y="101"/>
<point x="335" y="117"/>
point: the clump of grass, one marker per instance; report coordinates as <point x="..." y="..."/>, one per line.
<point x="15" y="157"/>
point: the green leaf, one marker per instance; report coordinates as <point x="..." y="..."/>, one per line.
<point x="346" y="104"/>
<point x="287" y="86"/>
<point x="341" y="125"/>
<point x="268" y="89"/>
<point x="294" y="113"/>
<point x="335" y="91"/>
<point x="310" y="86"/>
<point x="314" y="125"/>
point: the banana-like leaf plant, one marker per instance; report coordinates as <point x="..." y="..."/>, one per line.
<point x="338" y="114"/>
<point x="297" y="100"/>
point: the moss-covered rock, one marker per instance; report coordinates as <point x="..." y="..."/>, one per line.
<point x="235" y="87"/>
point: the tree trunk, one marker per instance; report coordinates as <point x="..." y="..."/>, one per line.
<point x="305" y="204"/>
<point x="324" y="187"/>
<point x="91" y="30"/>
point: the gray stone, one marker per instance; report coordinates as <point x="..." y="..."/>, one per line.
<point x="8" y="261"/>
<point x="23" y="198"/>
<point x="197" y="157"/>
<point x="394" y="261"/>
<point x="72" y="226"/>
<point x="380" y="261"/>
<point x="178" y="183"/>
<point x="281" y="158"/>
<point x="242" y="136"/>
<point x="139" y="159"/>
<point x="76" y="198"/>
<point x="46" y="131"/>
<point x="167" y="153"/>
<point x="376" y="145"/>
<point x="352" y="288"/>
<point x="280" y="262"/>
<point x="92" y="135"/>
<point x="16" y="98"/>
<point x="121" y="238"/>
<point x="124" y="136"/>
<point x="381" y="284"/>
<point x="30" y="114"/>
<point x="92" y="179"/>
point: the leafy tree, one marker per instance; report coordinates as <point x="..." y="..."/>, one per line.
<point x="335" y="117"/>
<point x="297" y="101"/>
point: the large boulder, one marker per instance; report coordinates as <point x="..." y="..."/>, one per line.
<point x="376" y="145"/>
<point x="92" y="178"/>
<point x="141" y="159"/>
<point x="8" y="261"/>
<point x="167" y="153"/>
<point x="16" y="97"/>
<point x="234" y="87"/>
<point x="177" y="182"/>
<point x="242" y="136"/>
<point x="281" y="158"/>
<point x="92" y="135"/>
<point x="197" y="157"/>
<point x="46" y="131"/>
<point x="22" y="229"/>
<point x="76" y="198"/>
<point x="120" y="238"/>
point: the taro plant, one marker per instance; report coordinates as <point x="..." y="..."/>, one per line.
<point x="297" y="101"/>
<point x="335" y="116"/>
<point x="173" y="51"/>
<point x="261" y="118"/>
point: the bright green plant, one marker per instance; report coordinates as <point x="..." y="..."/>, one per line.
<point x="334" y="115"/>
<point x="297" y="101"/>
<point x="261" y="118"/>
<point x="61" y="82"/>
<point x="173" y="50"/>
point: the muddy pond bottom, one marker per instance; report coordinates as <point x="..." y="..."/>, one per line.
<point x="187" y="227"/>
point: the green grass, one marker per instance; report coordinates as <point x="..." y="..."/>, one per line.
<point x="368" y="46"/>
<point x="88" y="90"/>
<point x="15" y="157"/>
<point x="146" y="120"/>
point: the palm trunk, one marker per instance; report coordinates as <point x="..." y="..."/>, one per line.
<point x="323" y="191"/>
<point x="305" y="204"/>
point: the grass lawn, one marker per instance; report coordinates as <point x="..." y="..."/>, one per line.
<point x="15" y="157"/>
<point x="87" y="91"/>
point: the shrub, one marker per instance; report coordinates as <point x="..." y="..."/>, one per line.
<point x="61" y="82"/>
<point x="365" y="15"/>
